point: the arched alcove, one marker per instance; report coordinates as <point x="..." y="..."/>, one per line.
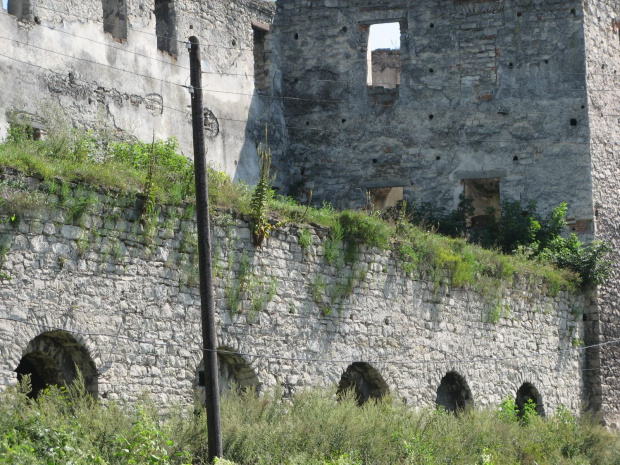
<point x="54" y="358"/>
<point x="366" y="382"/>
<point x="527" y="392"/>
<point x="453" y="393"/>
<point x="234" y="370"/>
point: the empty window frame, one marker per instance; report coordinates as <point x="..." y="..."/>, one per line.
<point x="21" y="9"/>
<point x="383" y="55"/>
<point x="485" y="195"/>
<point x="165" y="26"/>
<point x="115" y="18"/>
<point x="382" y="198"/>
<point x="261" y="65"/>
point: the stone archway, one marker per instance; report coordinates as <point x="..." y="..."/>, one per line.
<point x="234" y="371"/>
<point x="54" y="359"/>
<point x="453" y="393"/>
<point x="364" y="380"/>
<point x="527" y="392"/>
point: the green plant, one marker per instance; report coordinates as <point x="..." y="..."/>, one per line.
<point x="305" y="238"/>
<point x="261" y="195"/>
<point x="332" y="246"/>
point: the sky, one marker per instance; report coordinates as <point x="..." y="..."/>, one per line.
<point x="5" y="3"/>
<point x="385" y="36"/>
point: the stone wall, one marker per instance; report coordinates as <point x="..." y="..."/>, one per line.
<point x="61" y="66"/>
<point x="128" y="300"/>
<point x="603" y="55"/>
<point x="489" y="89"/>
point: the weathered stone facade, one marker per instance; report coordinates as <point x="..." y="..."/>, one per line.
<point x="126" y="74"/>
<point x="98" y="285"/>
<point x="515" y="99"/>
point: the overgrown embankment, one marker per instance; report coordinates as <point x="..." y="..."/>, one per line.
<point x="74" y="165"/>
<point x="68" y="426"/>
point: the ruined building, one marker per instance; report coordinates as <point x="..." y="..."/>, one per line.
<point x="498" y="99"/>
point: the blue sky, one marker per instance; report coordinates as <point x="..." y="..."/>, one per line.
<point x="5" y="3"/>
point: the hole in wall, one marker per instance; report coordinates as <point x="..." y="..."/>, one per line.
<point x="582" y="107"/>
<point x="453" y="393"/>
<point x="573" y="12"/>
<point x="385" y="197"/>
<point x="484" y="193"/>
<point x="515" y="158"/>
<point x="510" y="65"/>
<point x="519" y="14"/>
<point x="344" y="120"/>
<point x="546" y="62"/>
<point x="585" y="317"/>
<point x="383" y="62"/>
<point x="527" y="393"/>
<point x="431" y="116"/>
<point x="431" y="25"/>
<point x="344" y="29"/>
<point x="374" y="160"/>
<point x="165" y="26"/>
<point x="191" y="26"/>
<point x="307" y="123"/>
<point x="573" y="122"/>
<point x="296" y="36"/>
<point x="363" y="381"/>
<point x="234" y="42"/>
<point x="431" y="70"/>
<point x="437" y="157"/>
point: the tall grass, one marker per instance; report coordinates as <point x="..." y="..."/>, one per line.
<point x="67" y="426"/>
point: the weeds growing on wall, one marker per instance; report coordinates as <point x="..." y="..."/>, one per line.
<point x="68" y="426"/>
<point x="75" y="160"/>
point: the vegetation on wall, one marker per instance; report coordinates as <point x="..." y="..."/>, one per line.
<point x="78" y="162"/>
<point x="313" y="428"/>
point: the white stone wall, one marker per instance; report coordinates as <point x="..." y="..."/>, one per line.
<point x="132" y="302"/>
<point x="60" y="64"/>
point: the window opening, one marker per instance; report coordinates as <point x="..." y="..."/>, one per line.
<point x="484" y="194"/>
<point x="21" y="9"/>
<point x="453" y="393"/>
<point x="527" y="393"/>
<point x="383" y="55"/>
<point x="364" y="381"/>
<point x="115" y="18"/>
<point x="261" y="65"/>
<point x="165" y="26"/>
<point x="382" y="198"/>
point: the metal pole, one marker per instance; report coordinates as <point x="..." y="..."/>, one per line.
<point x="209" y="338"/>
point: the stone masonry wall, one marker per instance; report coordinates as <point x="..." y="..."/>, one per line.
<point x="603" y="58"/>
<point x="130" y="300"/>
<point x="57" y="63"/>
<point x="489" y="89"/>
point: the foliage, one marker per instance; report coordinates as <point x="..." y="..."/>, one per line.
<point x="69" y="426"/>
<point x="261" y="195"/>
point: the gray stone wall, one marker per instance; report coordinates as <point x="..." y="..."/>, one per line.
<point x="603" y="56"/>
<point x="489" y="89"/>
<point x="129" y="298"/>
<point x="59" y="64"/>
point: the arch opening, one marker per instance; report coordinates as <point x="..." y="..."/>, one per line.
<point x="527" y="393"/>
<point x="453" y="393"/>
<point x="234" y="372"/>
<point x="365" y="382"/>
<point x="54" y="359"/>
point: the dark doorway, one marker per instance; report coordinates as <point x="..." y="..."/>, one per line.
<point x="453" y="393"/>
<point x="54" y="359"/>
<point x="528" y="393"/>
<point x="364" y="381"/>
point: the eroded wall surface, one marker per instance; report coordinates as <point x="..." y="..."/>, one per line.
<point x="58" y="64"/>
<point x="489" y="89"/>
<point x="603" y="58"/>
<point x="131" y="300"/>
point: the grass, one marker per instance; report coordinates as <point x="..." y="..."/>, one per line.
<point x="137" y="167"/>
<point x="313" y="428"/>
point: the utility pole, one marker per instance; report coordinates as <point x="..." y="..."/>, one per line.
<point x="207" y="302"/>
